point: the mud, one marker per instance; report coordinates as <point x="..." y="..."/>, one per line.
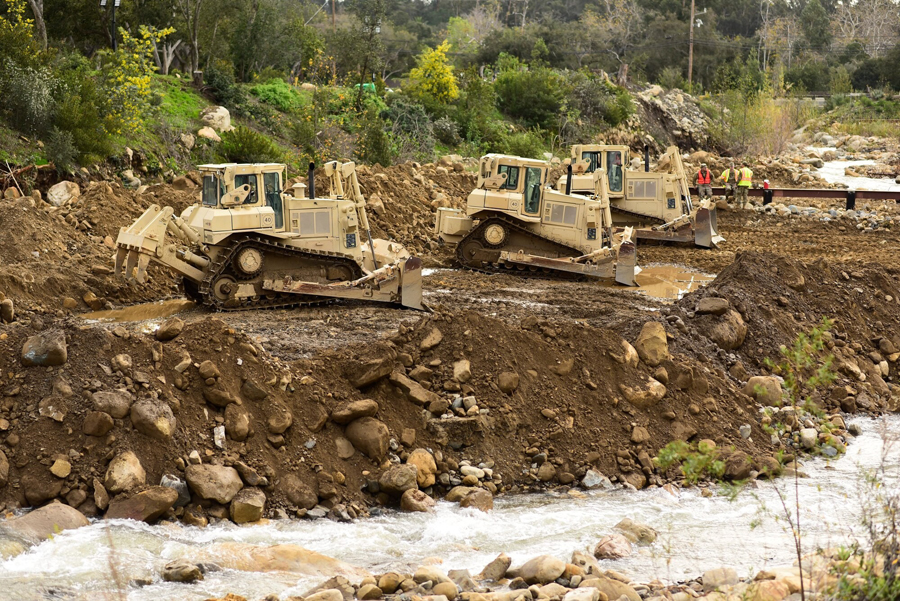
<point x="562" y="339"/>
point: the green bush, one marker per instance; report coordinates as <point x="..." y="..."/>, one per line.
<point x="373" y="144"/>
<point x="533" y="96"/>
<point x="78" y="111"/>
<point x="279" y="94"/>
<point x="412" y="132"/>
<point x="220" y="82"/>
<point x="447" y="131"/>
<point x="476" y="106"/>
<point x="529" y="144"/>
<point x="60" y="150"/>
<point x="28" y="97"/>
<point x="243" y="145"/>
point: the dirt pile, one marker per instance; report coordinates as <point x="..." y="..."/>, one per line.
<point x="503" y="406"/>
<point x="403" y="200"/>
<point x="778" y="297"/>
<point x="49" y="254"/>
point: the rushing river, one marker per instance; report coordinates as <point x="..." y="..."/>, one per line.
<point x="833" y="172"/>
<point x="696" y="534"/>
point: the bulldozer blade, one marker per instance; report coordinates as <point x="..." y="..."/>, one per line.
<point x="601" y="269"/>
<point x="411" y="285"/>
<point x="705" y="234"/>
<point x="386" y="285"/>
<point x="626" y="265"/>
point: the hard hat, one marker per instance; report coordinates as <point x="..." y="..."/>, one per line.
<point x="703" y="164"/>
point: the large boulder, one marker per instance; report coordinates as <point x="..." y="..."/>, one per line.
<point x="765" y="389"/>
<point x="124" y="473"/>
<point x="645" y="394"/>
<point x="169" y="329"/>
<point x="416" y="500"/>
<point x="214" y="482"/>
<point x="354" y="410"/>
<point x="63" y="193"/>
<point x="508" y="382"/>
<point x="712" y="305"/>
<point x="613" y="589"/>
<point x="425" y="466"/>
<point x="479" y="499"/>
<point x="248" y="506"/>
<point x="153" y="418"/>
<point x="4" y="469"/>
<point x="397" y="479"/>
<point x="216" y="117"/>
<point x="718" y="578"/>
<point x="542" y="569"/>
<point x="298" y="492"/>
<point x="237" y="422"/>
<point x="97" y="423"/>
<point x="43" y="523"/>
<point x="181" y="570"/>
<point x="117" y="403"/>
<point x="651" y="344"/>
<point x="145" y="506"/>
<point x="370" y="436"/>
<point x="45" y="349"/>
<point x="636" y="532"/>
<point x="727" y="331"/>
<point x="613" y="546"/>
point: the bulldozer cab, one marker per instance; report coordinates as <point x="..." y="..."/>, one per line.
<point x="589" y="158"/>
<point x="246" y="189"/>
<point x="510" y="184"/>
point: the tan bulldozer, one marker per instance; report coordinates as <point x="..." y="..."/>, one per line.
<point x="515" y="223"/>
<point x="657" y="204"/>
<point x="250" y="244"/>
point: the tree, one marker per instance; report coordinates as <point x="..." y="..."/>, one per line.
<point x="189" y="10"/>
<point x="432" y="80"/>
<point x="816" y="25"/>
<point x="37" y="8"/>
<point x="370" y="14"/>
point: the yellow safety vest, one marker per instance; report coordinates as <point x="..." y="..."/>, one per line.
<point x="726" y="175"/>
<point x="746" y="177"/>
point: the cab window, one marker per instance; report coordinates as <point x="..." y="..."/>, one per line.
<point x="592" y="159"/>
<point x="533" y="182"/>
<point x="213" y="189"/>
<point x="512" y="177"/>
<point x="241" y="180"/>
<point x="614" y="169"/>
<point x="272" y="184"/>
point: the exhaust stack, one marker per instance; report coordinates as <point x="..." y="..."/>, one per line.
<point x="312" y="180"/>
<point x="646" y="158"/>
<point x="569" y="179"/>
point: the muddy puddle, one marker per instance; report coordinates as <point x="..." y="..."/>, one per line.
<point x="144" y="312"/>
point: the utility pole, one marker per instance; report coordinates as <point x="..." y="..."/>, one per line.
<point x="691" y="51"/>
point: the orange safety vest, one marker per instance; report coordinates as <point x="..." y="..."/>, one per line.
<point x="704" y="180"/>
<point x="746" y="176"/>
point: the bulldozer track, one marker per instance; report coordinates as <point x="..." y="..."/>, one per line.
<point x="491" y="268"/>
<point x="223" y="266"/>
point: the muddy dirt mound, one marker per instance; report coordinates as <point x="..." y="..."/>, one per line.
<point x="535" y="404"/>
<point x="105" y="207"/>
<point x="777" y="297"/>
<point x="404" y="199"/>
<point x="49" y="254"/>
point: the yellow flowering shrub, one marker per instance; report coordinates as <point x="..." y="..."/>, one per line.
<point x="432" y="78"/>
<point x="16" y="33"/>
<point x="127" y="77"/>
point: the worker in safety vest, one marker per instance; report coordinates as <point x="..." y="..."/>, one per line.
<point x="729" y="179"/>
<point x="745" y="180"/>
<point x="703" y="181"/>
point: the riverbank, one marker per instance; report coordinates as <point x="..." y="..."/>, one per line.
<point x="695" y="534"/>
